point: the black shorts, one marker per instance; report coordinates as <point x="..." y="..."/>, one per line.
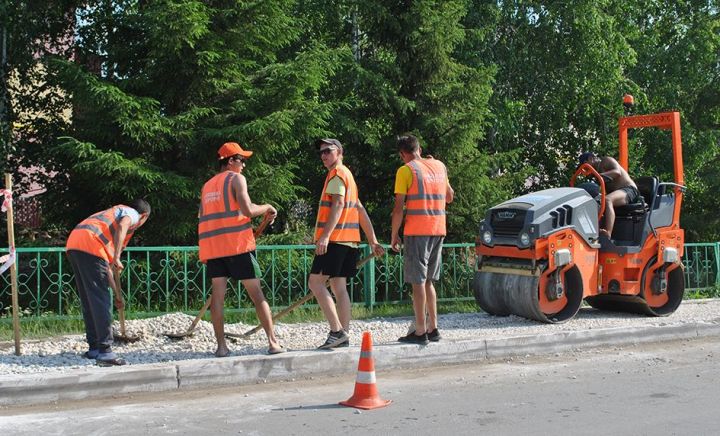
<point x="240" y="267"/>
<point x="632" y="195"/>
<point x="338" y="261"/>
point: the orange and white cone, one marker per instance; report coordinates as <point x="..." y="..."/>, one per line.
<point x="366" y="395"/>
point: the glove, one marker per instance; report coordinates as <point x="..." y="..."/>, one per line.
<point x="606" y="178"/>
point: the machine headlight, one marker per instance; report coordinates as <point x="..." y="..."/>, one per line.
<point x="524" y="238"/>
<point x="487" y="236"/>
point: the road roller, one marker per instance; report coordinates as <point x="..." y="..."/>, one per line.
<point x="540" y="255"/>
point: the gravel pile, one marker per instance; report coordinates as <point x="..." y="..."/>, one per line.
<point x="62" y="354"/>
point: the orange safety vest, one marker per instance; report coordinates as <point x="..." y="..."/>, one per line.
<point x="348" y="226"/>
<point x="425" y="200"/>
<point x="96" y="234"/>
<point x="223" y="230"/>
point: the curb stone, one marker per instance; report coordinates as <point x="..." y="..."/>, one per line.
<point x="40" y="388"/>
<point x="98" y="382"/>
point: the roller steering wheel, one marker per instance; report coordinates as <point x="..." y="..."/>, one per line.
<point x="587" y="170"/>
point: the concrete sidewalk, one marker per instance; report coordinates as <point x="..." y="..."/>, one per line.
<point x="97" y="382"/>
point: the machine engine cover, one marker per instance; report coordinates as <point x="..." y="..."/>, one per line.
<point x="541" y="213"/>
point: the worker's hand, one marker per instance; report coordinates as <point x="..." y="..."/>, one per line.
<point x="321" y="245"/>
<point x="117" y="264"/>
<point x="377" y="249"/>
<point x="119" y="304"/>
<point x="395" y="243"/>
<point x="272" y="213"/>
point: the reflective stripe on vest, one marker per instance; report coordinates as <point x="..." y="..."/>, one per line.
<point x="96" y="234"/>
<point x="425" y="200"/>
<point x="347" y="228"/>
<point x="222" y="229"/>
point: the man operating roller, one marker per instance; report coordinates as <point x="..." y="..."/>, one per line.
<point x="619" y="187"/>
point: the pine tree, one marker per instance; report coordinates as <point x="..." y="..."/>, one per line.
<point x="157" y="87"/>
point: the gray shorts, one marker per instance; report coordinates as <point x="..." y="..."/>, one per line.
<point x="422" y="258"/>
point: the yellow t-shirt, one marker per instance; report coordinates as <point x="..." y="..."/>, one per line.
<point x="336" y="187"/>
<point x="403" y="180"/>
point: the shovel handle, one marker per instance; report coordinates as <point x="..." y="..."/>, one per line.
<point x="303" y="300"/>
<point x="263" y="224"/>
<point x="282" y="313"/>
<point x="117" y="290"/>
<point x="200" y="314"/>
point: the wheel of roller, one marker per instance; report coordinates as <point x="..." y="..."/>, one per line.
<point x="666" y="303"/>
<point x="566" y="307"/>
<point x="522" y="295"/>
<point x="646" y="303"/>
<point x="490" y="300"/>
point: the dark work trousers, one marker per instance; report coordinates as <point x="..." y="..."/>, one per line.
<point x="92" y="280"/>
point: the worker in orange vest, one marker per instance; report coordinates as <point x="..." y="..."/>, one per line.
<point x="227" y="243"/>
<point x="423" y="189"/>
<point x="92" y="247"/>
<point x="337" y="235"/>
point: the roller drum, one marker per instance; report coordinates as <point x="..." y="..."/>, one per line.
<point x="504" y="294"/>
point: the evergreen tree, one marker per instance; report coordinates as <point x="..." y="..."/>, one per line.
<point x="157" y="87"/>
<point x="678" y="68"/>
<point x="129" y="98"/>
<point x="407" y="78"/>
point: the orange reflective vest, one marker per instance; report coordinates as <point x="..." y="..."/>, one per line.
<point x="223" y="230"/>
<point x="96" y="234"/>
<point x="425" y="200"/>
<point x="348" y="226"/>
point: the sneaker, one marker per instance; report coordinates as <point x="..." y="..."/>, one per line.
<point x="91" y="354"/>
<point x="335" y="340"/>
<point x="434" y="336"/>
<point x="412" y="338"/>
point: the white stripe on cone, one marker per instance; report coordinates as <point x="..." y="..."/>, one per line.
<point x="366" y="377"/>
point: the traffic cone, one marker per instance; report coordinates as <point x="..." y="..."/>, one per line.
<point x="366" y="395"/>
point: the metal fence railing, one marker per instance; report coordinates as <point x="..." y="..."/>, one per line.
<point x="702" y="266"/>
<point x="166" y="279"/>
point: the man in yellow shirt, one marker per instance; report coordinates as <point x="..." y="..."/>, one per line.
<point x="337" y="235"/>
<point x="422" y="190"/>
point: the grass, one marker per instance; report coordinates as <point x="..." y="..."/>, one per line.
<point x="703" y="293"/>
<point x="36" y="327"/>
<point x="40" y="327"/>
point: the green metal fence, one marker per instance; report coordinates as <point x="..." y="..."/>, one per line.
<point x="167" y="279"/>
<point x="702" y="266"/>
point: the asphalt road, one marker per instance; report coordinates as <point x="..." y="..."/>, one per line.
<point x="653" y="389"/>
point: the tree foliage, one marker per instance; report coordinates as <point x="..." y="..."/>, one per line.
<point x="124" y="98"/>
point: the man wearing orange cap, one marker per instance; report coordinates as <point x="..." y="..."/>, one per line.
<point x="227" y="243"/>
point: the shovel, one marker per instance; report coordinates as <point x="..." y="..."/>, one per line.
<point x="259" y="231"/>
<point x="117" y="290"/>
<point x="292" y="307"/>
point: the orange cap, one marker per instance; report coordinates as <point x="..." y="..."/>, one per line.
<point x="229" y="149"/>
